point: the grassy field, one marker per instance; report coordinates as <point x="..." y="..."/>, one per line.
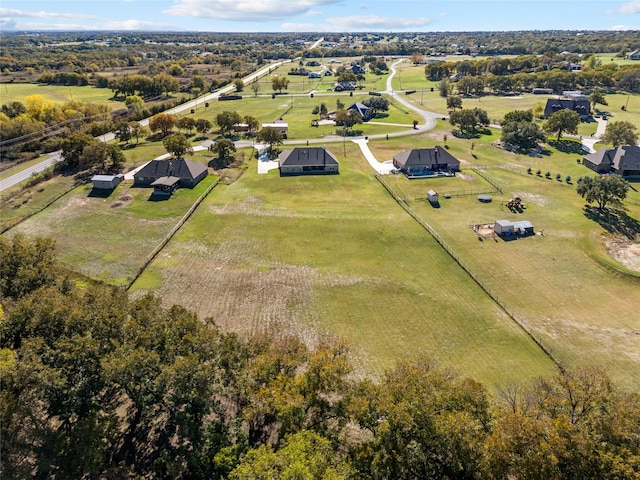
<point x="297" y="111"/>
<point x="58" y="94"/>
<point x="109" y="238"/>
<point x="336" y="254"/>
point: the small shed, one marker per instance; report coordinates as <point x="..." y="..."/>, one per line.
<point x="523" y="227"/>
<point x="432" y="196"/>
<point x="106" y="182"/>
<point x="503" y="227"/>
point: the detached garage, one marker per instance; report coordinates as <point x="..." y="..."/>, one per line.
<point x="106" y="182"/>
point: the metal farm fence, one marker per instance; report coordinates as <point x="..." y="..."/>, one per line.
<point x="470" y="271"/>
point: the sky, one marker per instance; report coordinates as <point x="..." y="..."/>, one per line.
<point x="319" y="15"/>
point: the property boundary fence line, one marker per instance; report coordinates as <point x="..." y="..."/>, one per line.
<point x="488" y="179"/>
<point x="171" y="234"/>
<point x="48" y="204"/>
<point x="477" y="191"/>
<point x="474" y="276"/>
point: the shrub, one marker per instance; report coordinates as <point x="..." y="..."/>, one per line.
<point x="529" y="170"/>
<point x="568" y="179"/>
<point x="548" y="174"/>
<point x="538" y="172"/>
<point x="558" y="176"/>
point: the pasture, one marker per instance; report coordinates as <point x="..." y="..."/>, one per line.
<point x="110" y="237"/>
<point x="58" y="94"/>
<point x="336" y="254"/>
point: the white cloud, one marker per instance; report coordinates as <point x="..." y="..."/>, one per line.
<point x="299" y="27"/>
<point x="7" y="23"/>
<point x="28" y="26"/>
<point x="139" y="25"/>
<point x="629" y="7"/>
<point x="245" y="10"/>
<point x="375" y="22"/>
<point x="622" y="28"/>
<point x="11" y="12"/>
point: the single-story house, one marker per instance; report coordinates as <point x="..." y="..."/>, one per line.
<point x="344" y="86"/>
<point x="308" y="160"/>
<point x="188" y="173"/>
<point x="280" y="125"/>
<point x="580" y="106"/>
<point x="357" y="70"/>
<point x="426" y="159"/>
<point x="624" y="161"/>
<point x="362" y="109"/>
<point x="106" y="182"/>
<point x="315" y="75"/>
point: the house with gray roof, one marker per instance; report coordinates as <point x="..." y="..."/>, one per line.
<point x="167" y="175"/>
<point x="308" y="161"/>
<point x="362" y="109"/>
<point x="579" y="105"/>
<point x="420" y="160"/>
<point x="623" y="161"/>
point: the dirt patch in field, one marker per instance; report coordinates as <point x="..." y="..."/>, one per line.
<point x="600" y="338"/>
<point x="535" y="199"/>
<point x="122" y="200"/>
<point x="625" y="251"/>
<point x="466" y="177"/>
<point x="251" y="206"/>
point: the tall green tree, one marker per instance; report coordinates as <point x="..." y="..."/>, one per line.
<point x="604" y="190"/>
<point x="271" y="136"/>
<point x="562" y="121"/>
<point x="177" y="145"/>
<point x="620" y="133"/>
<point x="596" y="97"/>
<point x="279" y="83"/>
<point x="224" y="148"/>
<point x="26" y="265"/>
<point x="226" y="120"/>
<point x="73" y="146"/>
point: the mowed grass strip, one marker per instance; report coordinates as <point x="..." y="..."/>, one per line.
<point x="337" y="254"/>
<point x="110" y="238"/>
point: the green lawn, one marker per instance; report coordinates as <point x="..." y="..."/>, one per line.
<point x="58" y="94"/>
<point x="109" y="238"/>
<point x="336" y="253"/>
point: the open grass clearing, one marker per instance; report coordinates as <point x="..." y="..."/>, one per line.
<point x="109" y="238"/>
<point x="559" y="285"/>
<point x="336" y="253"/>
<point x="58" y="94"/>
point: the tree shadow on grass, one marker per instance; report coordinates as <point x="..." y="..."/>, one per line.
<point x="566" y="146"/>
<point x="614" y="221"/>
